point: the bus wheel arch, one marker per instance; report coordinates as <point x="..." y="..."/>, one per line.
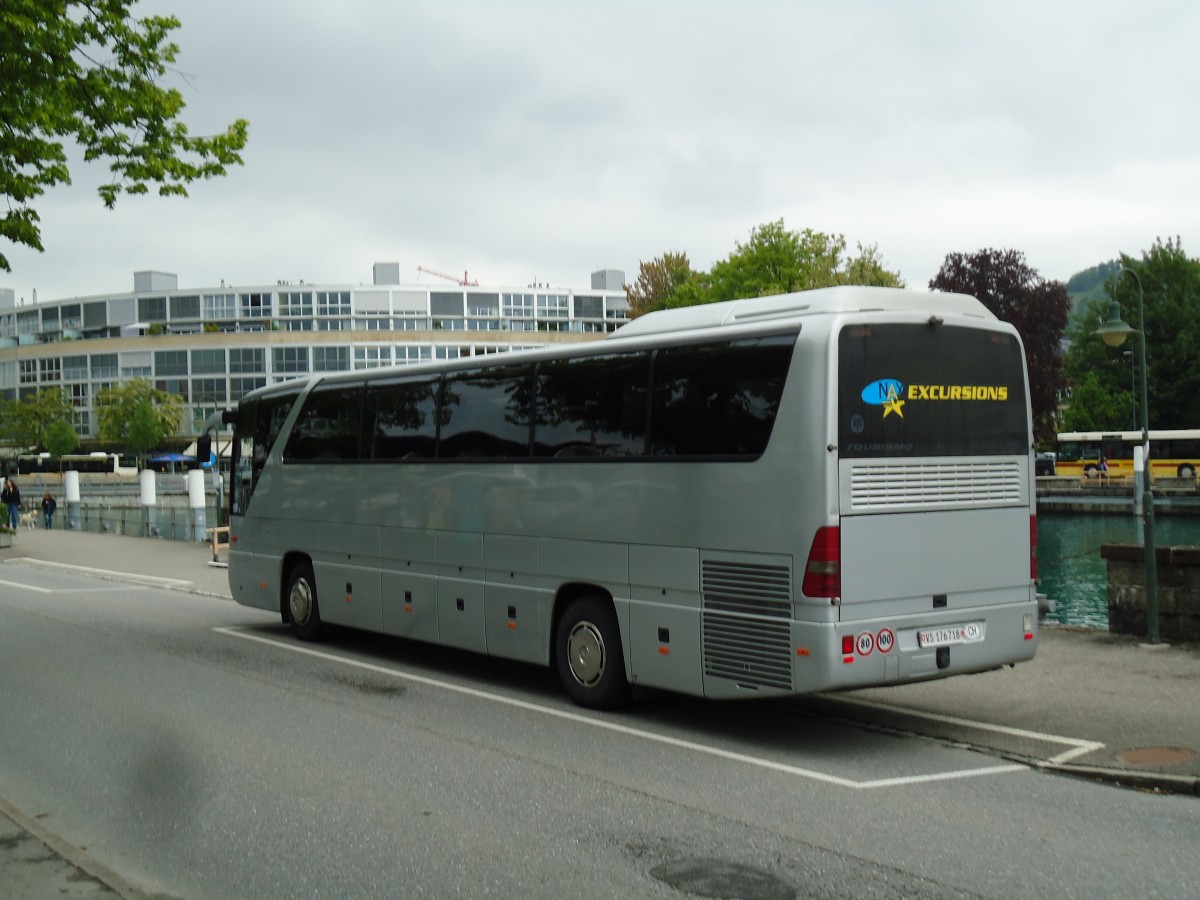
<point x="587" y="651"/>
<point x="1187" y="470"/>
<point x="298" y="603"/>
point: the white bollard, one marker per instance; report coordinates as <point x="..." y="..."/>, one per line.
<point x="149" y="498"/>
<point x="71" y="489"/>
<point x="195" y="483"/>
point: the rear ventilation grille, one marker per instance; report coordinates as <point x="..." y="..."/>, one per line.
<point x="747" y="623"/>
<point x="875" y="486"/>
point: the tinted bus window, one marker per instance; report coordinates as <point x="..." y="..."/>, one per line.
<point x="718" y="399"/>
<point x="258" y="425"/>
<point x="485" y="414"/>
<point x="920" y="390"/>
<point x="401" y="419"/>
<point x="593" y="406"/>
<point x="328" y="426"/>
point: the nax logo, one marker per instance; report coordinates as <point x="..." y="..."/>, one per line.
<point x="892" y="394"/>
<point x="885" y="392"/>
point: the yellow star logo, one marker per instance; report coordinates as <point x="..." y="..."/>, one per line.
<point x="894" y="404"/>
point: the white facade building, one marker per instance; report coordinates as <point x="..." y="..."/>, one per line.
<point x="212" y="345"/>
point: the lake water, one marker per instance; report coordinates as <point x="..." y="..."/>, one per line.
<point x="1072" y="573"/>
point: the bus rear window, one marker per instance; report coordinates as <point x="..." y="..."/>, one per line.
<point x="921" y="390"/>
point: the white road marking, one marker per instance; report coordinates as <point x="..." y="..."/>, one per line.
<point x="99" y="573"/>
<point x="28" y="587"/>
<point x="1078" y="747"/>
<point x="627" y="729"/>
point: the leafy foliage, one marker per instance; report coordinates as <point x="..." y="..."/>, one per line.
<point x="137" y="415"/>
<point x="1016" y="293"/>
<point x="773" y="261"/>
<point x="1171" y="284"/>
<point x="26" y="423"/>
<point x="61" y="438"/>
<point x="86" y="70"/>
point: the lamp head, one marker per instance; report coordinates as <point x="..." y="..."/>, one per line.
<point x="1115" y="330"/>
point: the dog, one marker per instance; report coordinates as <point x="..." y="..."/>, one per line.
<point x="29" y="519"/>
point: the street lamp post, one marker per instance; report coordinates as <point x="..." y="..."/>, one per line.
<point x="1113" y="332"/>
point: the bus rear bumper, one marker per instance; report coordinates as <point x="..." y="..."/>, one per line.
<point x="905" y="649"/>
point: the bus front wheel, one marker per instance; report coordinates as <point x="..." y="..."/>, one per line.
<point x="303" y="610"/>
<point x="587" y="652"/>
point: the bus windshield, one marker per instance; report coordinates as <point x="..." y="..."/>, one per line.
<point x="921" y="390"/>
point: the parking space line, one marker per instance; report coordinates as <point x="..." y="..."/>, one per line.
<point x="111" y="575"/>
<point x="1078" y="747"/>
<point x="27" y="587"/>
<point x="628" y="730"/>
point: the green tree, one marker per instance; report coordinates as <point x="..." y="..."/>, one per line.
<point x="27" y="421"/>
<point x="86" y="70"/>
<point x="61" y="438"/>
<point x="1096" y="407"/>
<point x="1170" y="281"/>
<point x="657" y="280"/>
<point x="1038" y="309"/>
<point x="136" y="415"/>
<point x="778" y="261"/>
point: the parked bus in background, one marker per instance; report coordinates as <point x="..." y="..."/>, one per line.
<point x="822" y="490"/>
<point x="1173" y="453"/>
<point x="96" y="463"/>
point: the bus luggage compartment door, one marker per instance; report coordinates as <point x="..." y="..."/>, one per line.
<point x="896" y="563"/>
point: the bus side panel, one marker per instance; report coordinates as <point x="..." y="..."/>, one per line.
<point x="346" y="565"/>
<point x="664" y="636"/>
<point x="460" y="590"/>
<point x="516" y="612"/>
<point x="409" y="583"/>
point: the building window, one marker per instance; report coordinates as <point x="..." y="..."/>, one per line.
<point x="297" y="324"/>
<point x="78" y="395"/>
<point x="373" y="323"/>
<point x="208" y="362"/>
<point x="255" y="306"/>
<point x="104" y="365"/>
<point x="220" y="306"/>
<point x="208" y="390"/>
<point x="239" y="387"/>
<point x="413" y="354"/>
<point x="28" y="371"/>
<point x="173" y="386"/>
<point x="170" y="362"/>
<point x="517" y="306"/>
<point x="247" y="360"/>
<point x="296" y="303"/>
<point x="372" y="357"/>
<point x="289" y="359"/>
<point x="333" y="303"/>
<point x="331" y="359"/>
<point x="75" y="368"/>
<point x="333" y="325"/>
<point x="552" y="306"/>
<point x="152" y="309"/>
<point x="51" y="369"/>
<point x="185" y="308"/>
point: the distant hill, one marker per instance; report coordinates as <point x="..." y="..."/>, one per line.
<point x="1088" y="285"/>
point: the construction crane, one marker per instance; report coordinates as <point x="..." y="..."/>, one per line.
<point x="463" y="281"/>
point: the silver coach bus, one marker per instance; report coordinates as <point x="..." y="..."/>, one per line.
<point x="821" y="490"/>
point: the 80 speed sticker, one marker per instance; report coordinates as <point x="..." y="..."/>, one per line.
<point x="866" y="642"/>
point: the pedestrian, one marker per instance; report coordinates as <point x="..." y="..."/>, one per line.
<point x="1103" y="470"/>
<point x="49" y="505"/>
<point x="11" y="498"/>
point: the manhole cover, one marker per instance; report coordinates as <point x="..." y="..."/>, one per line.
<point x="1156" y="756"/>
<point x="722" y="880"/>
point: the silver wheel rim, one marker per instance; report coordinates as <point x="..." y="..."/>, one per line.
<point x="585" y="654"/>
<point x="300" y="601"/>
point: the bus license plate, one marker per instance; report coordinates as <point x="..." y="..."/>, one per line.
<point x="969" y="633"/>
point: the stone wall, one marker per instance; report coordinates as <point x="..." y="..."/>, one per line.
<point x="1178" y="590"/>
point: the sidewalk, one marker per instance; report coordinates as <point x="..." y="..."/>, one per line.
<point x="1092" y="703"/>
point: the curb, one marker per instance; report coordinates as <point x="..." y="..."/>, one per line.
<point x="1158" y="782"/>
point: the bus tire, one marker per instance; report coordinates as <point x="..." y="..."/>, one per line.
<point x="1187" y="470"/>
<point x="301" y="606"/>
<point x="588" y="655"/>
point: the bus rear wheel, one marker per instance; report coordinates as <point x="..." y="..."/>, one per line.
<point x="588" y="655"/>
<point x="1187" y="470"/>
<point x="303" y="610"/>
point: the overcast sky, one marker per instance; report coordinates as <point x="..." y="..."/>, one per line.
<point x="538" y="141"/>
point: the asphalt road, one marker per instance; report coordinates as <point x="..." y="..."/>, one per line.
<point x="193" y="747"/>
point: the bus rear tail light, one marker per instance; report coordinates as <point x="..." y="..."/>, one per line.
<point x="823" y="571"/>
<point x="1033" y="570"/>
